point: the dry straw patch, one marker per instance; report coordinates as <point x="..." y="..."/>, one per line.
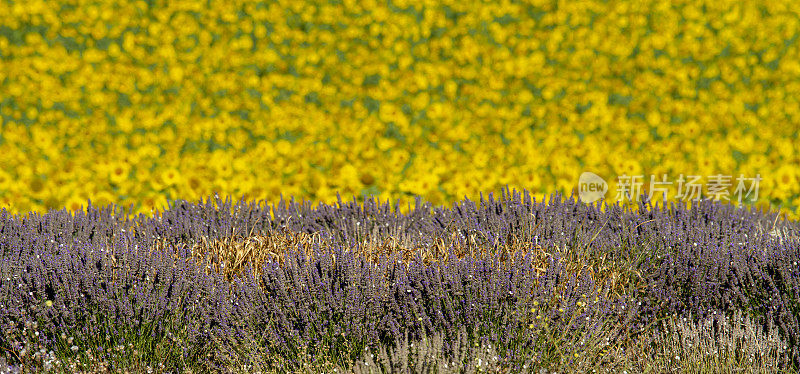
<point x="231" y="255"/>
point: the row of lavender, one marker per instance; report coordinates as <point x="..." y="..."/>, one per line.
<point x="93" y="280"/>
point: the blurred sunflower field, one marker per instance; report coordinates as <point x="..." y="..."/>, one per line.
<point x="140" y="102"/>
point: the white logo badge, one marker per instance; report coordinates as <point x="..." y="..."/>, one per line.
<point x="591" y="187"/>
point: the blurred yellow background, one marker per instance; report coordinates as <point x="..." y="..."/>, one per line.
<point x="137" y="102"/>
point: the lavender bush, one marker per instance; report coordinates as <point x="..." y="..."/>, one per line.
<point x="733" y="343"/>
<point x="542" y="283"/>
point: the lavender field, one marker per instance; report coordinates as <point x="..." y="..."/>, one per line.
<point x="505" y="284"/>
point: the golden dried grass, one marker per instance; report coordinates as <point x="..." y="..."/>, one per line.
<point x="231" y="255"/>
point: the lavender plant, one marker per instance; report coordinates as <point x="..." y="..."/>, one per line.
<point x="301" y="285"/>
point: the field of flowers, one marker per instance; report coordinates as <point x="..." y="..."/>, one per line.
<point x="146" y="107"/>
<point x="500" y="285"/>
<point x="140" y="102"/>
